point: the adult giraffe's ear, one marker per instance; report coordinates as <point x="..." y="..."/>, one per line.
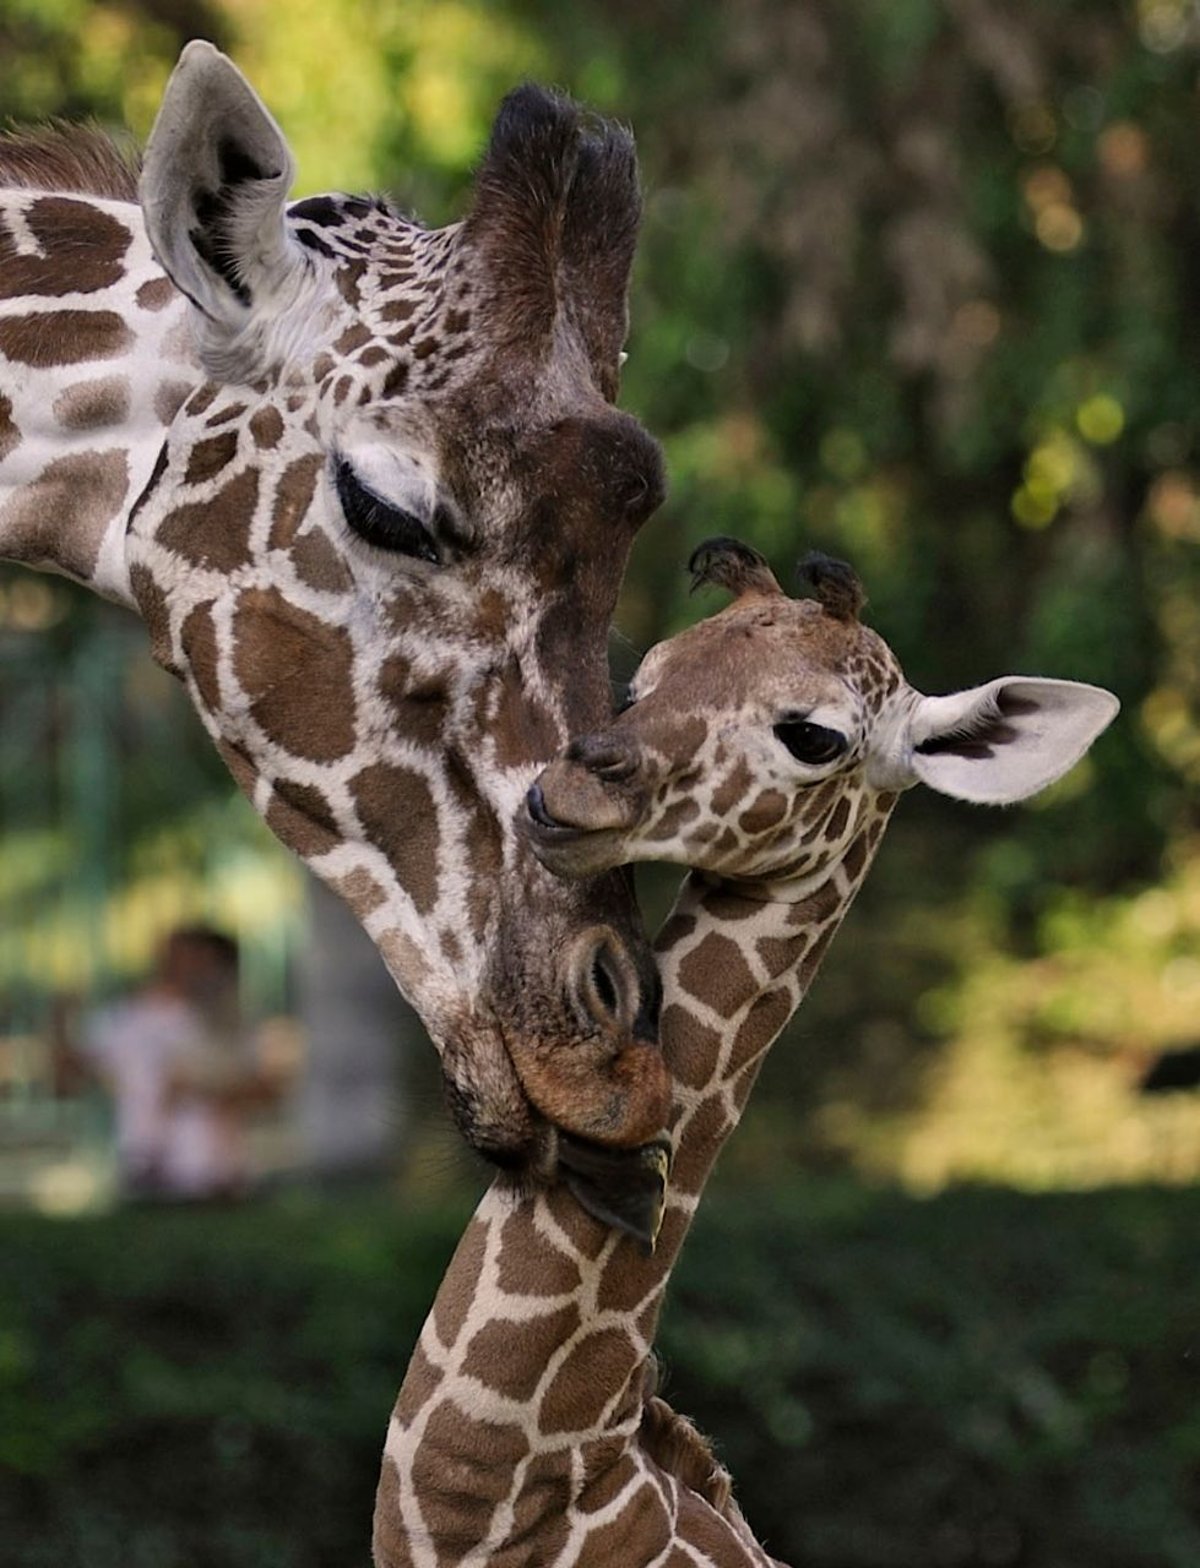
<point x="213" y="190"/>
<point x="999" y="743"/>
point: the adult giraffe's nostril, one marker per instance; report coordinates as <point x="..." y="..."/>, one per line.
<point x="605" y="985"/>
<point x="599" y="1075"/>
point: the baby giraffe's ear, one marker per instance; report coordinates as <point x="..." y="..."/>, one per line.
<point x="1004" y="741"/>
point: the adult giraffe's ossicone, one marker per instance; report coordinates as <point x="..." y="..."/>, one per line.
<point x="366" y="485"/>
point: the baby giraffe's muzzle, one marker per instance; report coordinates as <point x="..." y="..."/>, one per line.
<point x="584" y="802"/>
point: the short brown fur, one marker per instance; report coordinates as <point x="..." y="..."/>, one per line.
<point x="82" y="160"/>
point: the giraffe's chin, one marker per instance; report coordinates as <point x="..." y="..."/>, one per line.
<point x="576" y="852"/>
<point x="624" y="1189"/>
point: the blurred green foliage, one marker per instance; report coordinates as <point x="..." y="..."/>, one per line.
<point x="973" y="1381"/>
<point x="916" y="286"/>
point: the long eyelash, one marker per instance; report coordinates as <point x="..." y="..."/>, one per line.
<point x="378" y="522"/>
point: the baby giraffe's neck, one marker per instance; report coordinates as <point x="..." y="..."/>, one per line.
<point x="526" y="1430"/>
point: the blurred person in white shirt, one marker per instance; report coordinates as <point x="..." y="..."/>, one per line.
<point x="177" y="1062"/>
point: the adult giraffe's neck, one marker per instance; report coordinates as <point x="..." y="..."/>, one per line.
<point x="523" y="1415"/>
<point x="95" y="359"/>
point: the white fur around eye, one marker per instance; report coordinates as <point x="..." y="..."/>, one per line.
<point x="831" y="716"/>
<point x="404" y="479"/>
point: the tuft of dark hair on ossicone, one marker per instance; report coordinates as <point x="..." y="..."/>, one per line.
<point x="728" y="563"/>
<point x="835" y="584"/>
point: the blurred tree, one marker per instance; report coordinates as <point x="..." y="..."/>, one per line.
<point x="916" y="287"/>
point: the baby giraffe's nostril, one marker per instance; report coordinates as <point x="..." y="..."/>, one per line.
<point x="604" y="756"/>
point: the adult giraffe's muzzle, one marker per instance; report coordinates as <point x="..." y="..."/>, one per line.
<point x="605" y="1081"/>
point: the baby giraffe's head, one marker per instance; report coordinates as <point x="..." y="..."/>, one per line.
<point x="757" y="744"/>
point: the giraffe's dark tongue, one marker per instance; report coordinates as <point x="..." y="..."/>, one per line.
<point x="624" y="1188"/>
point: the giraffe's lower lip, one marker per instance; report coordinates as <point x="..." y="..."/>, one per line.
<point x="567" y="850"/>
<point x="623" y="1188"/>
<point x="544" y="828"/>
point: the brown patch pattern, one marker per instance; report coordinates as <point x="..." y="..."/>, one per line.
<point x="765" y="813"/>
<point x="541" y="1522"/>
<point x="420" y="1383"/>
<point x="671" y="822"/>
<point x="319" y="565"/>
<point x="452" y="1305"/>
<point x="266" y="426"/>
<point x="10" y="435"/>
<point x="155" y="294"/>
<point x="702" y="1137"/>
<point x="293" y="497"/>
<point x="733" y="788"/>
<point x="641" y="1532"/>
<point x="766" y="1018"/>
<point x="208" y="458"/>
<point x="297" y="672"/>
<point x="60" y="519"/>
<point x="533" y="1265"/>
<point x="461" y="1470"/>
<point x="389" y="1548"/>
<point x="514" y="1364"/>
<point x="198" y="639"/>
<point x="399" y="817"/>
<point x="696" y="1049"/>
<point x="64" y="337"/>
<point x="82" y="251"/>
<point x="715" y="972"/>
<point x="300" y="816"/>
<point x="361" y="892"/>
<point x="169" y="398"/>
<point x="216" y="533"/>
<point x="586" y="1380"/>
<point x="91" y="405"/>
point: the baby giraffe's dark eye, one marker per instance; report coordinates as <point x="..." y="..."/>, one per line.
<point x="811" y="743"/>
<point x="380" y="523"/>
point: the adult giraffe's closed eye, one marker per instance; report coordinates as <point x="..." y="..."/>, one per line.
<point x="366" y="484"/>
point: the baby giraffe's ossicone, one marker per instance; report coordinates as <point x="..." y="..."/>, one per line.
<point x="756" y="744"/>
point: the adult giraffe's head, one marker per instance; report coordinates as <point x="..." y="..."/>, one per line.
<point x="382" y="545"/>
<point x="769" y="742"/>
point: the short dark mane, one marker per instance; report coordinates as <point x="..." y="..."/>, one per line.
<point x="82" y="160"/>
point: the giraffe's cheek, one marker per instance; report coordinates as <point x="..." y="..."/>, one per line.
<point x="293" y="676"/>
<point x="764" y="813"/>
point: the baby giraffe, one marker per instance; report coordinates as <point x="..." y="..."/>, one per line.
<point x="766" y="747"/>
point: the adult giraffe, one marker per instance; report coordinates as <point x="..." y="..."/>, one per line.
<point x="366" y="485"/>
<point x="767" y="745"/>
